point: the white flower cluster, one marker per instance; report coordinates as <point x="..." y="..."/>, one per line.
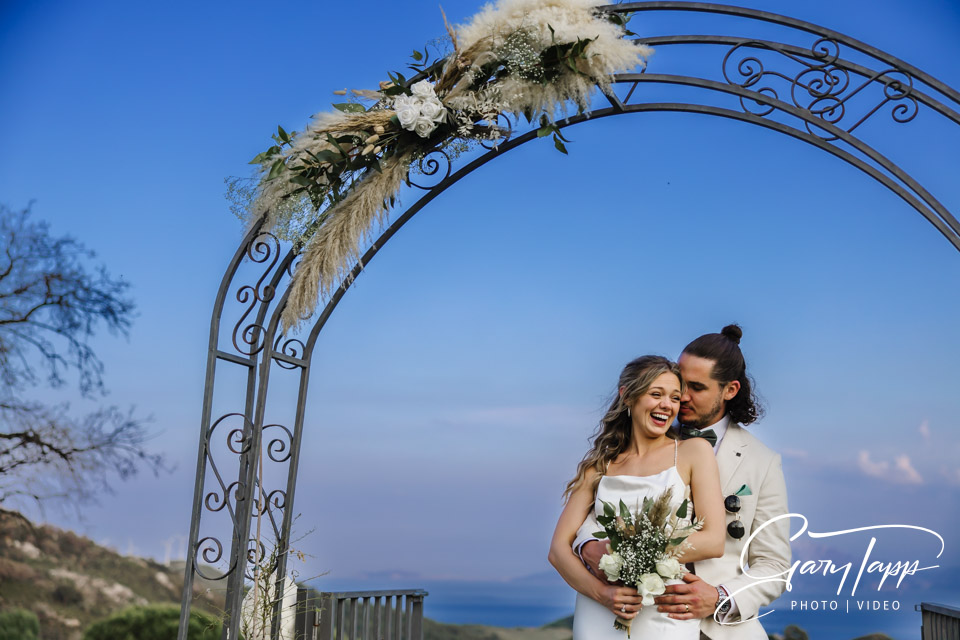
<point x="611" y="564"/>
<point x="638" y="561"/>
<point x="649" y="585"/>
<point x="421" y="112"/>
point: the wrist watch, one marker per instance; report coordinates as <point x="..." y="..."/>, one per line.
<point x="723" y="596"/>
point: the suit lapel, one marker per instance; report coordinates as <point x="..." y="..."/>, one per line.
<point x="730" y="456"/>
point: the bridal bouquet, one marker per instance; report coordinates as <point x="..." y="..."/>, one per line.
<point x="645" y="545"/>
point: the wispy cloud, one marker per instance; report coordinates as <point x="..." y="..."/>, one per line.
<point x="924" y="430"/>
<point x="900" y="472"/>
<point x="906" y="472"/>
<point x="871" y="468"/>
<point x="951" y="475"/>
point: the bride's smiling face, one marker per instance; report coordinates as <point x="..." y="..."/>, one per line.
<point x="654" y="411"/>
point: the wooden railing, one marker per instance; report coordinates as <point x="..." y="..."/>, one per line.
<point x="939" y="622"/>
<point x="360" y="615"/>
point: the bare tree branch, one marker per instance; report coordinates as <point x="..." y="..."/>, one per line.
<point x="52" y="302"/>
<point x="56" y="302"/>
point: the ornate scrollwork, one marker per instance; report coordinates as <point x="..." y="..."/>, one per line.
<point x="276" y="500"/>
<point x="211" y="549"/>
<point x="290" y="347"/>
<point x="262" y="249"/>
<point x="505" y="132"/>
<point x="216" y="502"/>
<point x="433" y="163"/>
<point x="278" y="446"/>
<point x="256" y="552"/>
<point x="822" y="87"/>
<point x="239" y="442"/>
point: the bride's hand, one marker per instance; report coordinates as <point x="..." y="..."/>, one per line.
<point x="622" y="601"/>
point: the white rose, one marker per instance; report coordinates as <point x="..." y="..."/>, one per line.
<point x="408" y="111"/>
<point x="424" y="127"/>
<point x="434" y="110"/>
<point x="423" y="89"/>
<point x="651" y="585"/>
<point x="610" y="564"/>
<point x="669" y="568"/>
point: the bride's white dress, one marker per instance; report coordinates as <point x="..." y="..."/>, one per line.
<point x="593" y="621"/>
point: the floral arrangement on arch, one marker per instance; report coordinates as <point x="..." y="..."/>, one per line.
<point x="328" y="187"/>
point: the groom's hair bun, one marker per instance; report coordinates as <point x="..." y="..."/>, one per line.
<point x="728" y="365"/>
<point x="733" y="332"/>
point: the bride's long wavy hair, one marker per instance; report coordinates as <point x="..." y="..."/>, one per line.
<point x="615" y="431"/>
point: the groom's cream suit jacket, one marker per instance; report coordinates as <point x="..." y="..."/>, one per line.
<point x="743" y="460"/>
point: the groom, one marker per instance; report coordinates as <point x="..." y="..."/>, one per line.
<point x="718" y="400"/>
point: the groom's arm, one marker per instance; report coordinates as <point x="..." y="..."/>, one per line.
<point x="585" y="533"/>
<point x="768" y="554"/>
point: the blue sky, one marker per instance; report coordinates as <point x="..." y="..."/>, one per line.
<point x="456" y="384"/>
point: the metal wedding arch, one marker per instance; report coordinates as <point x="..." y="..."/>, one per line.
<point x="820" y="92"/>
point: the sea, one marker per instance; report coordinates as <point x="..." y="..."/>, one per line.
<point x="540" y="599"/>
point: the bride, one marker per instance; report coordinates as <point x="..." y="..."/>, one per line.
<point x="634" y="454"/>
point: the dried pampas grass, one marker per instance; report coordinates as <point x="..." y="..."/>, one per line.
<point x="343" y="228"/>
<point x="332" y="251"/>
<point x="609" y="53"/>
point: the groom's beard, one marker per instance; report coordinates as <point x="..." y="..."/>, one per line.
<point x="713" y="416"/>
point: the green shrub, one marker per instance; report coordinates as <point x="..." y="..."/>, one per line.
<point x="18" y="624"/>
<point x="67" y="594"/>
<point x="153" y="622"/>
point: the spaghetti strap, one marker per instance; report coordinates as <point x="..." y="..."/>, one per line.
<point x="676" y="448"/>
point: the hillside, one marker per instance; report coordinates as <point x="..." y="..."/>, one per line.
<point x="69" y="581"/>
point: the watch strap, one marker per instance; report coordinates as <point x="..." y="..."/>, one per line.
<point x="724" y="597"/>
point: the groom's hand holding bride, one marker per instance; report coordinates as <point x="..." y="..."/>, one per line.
<point x="695" y="598"/>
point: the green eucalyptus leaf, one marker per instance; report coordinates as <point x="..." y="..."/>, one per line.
<point x="417" y="55"/>
<point x="543" y="132"/>
<point x="283" y="134"/>
<point x="682" y="511"/>
<point x="601" y="535"/>
<point x="327" y="156"/>
<point x="624" y="511"/>
<point x="608" y="509"/>
<point x="276" y="169"/>
<point x="349" y="107"/>
<point x="675" y="541"/>
<point x="336" y="144"/>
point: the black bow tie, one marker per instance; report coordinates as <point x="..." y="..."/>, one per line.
<point x="707" y="434"/>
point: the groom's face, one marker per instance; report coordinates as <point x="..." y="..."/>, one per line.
<point x="702" y="404"/>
